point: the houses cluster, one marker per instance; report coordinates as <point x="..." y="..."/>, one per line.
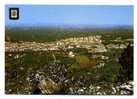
<point x="69" y="43"/>
<point x="92" y="43"/>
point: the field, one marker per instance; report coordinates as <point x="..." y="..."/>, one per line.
<point x="69" y="61"/>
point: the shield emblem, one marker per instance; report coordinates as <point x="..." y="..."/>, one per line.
<point x="14" y="13"/>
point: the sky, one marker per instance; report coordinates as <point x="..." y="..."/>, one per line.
<point x="72" y="15"/>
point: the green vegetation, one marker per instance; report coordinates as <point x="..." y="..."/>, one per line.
<point x="126" y="60"/>
<point x="53" y="34"/>
<point x="21" y="65"/>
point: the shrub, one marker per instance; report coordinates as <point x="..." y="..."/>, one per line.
<point x="126" y="60"/>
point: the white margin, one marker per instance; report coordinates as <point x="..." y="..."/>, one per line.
<point x="60" y="2"/>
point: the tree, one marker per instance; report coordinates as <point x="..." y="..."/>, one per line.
<point x="126" y="60"/>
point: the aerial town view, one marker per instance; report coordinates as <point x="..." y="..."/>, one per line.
<point x="69" y="50"/>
